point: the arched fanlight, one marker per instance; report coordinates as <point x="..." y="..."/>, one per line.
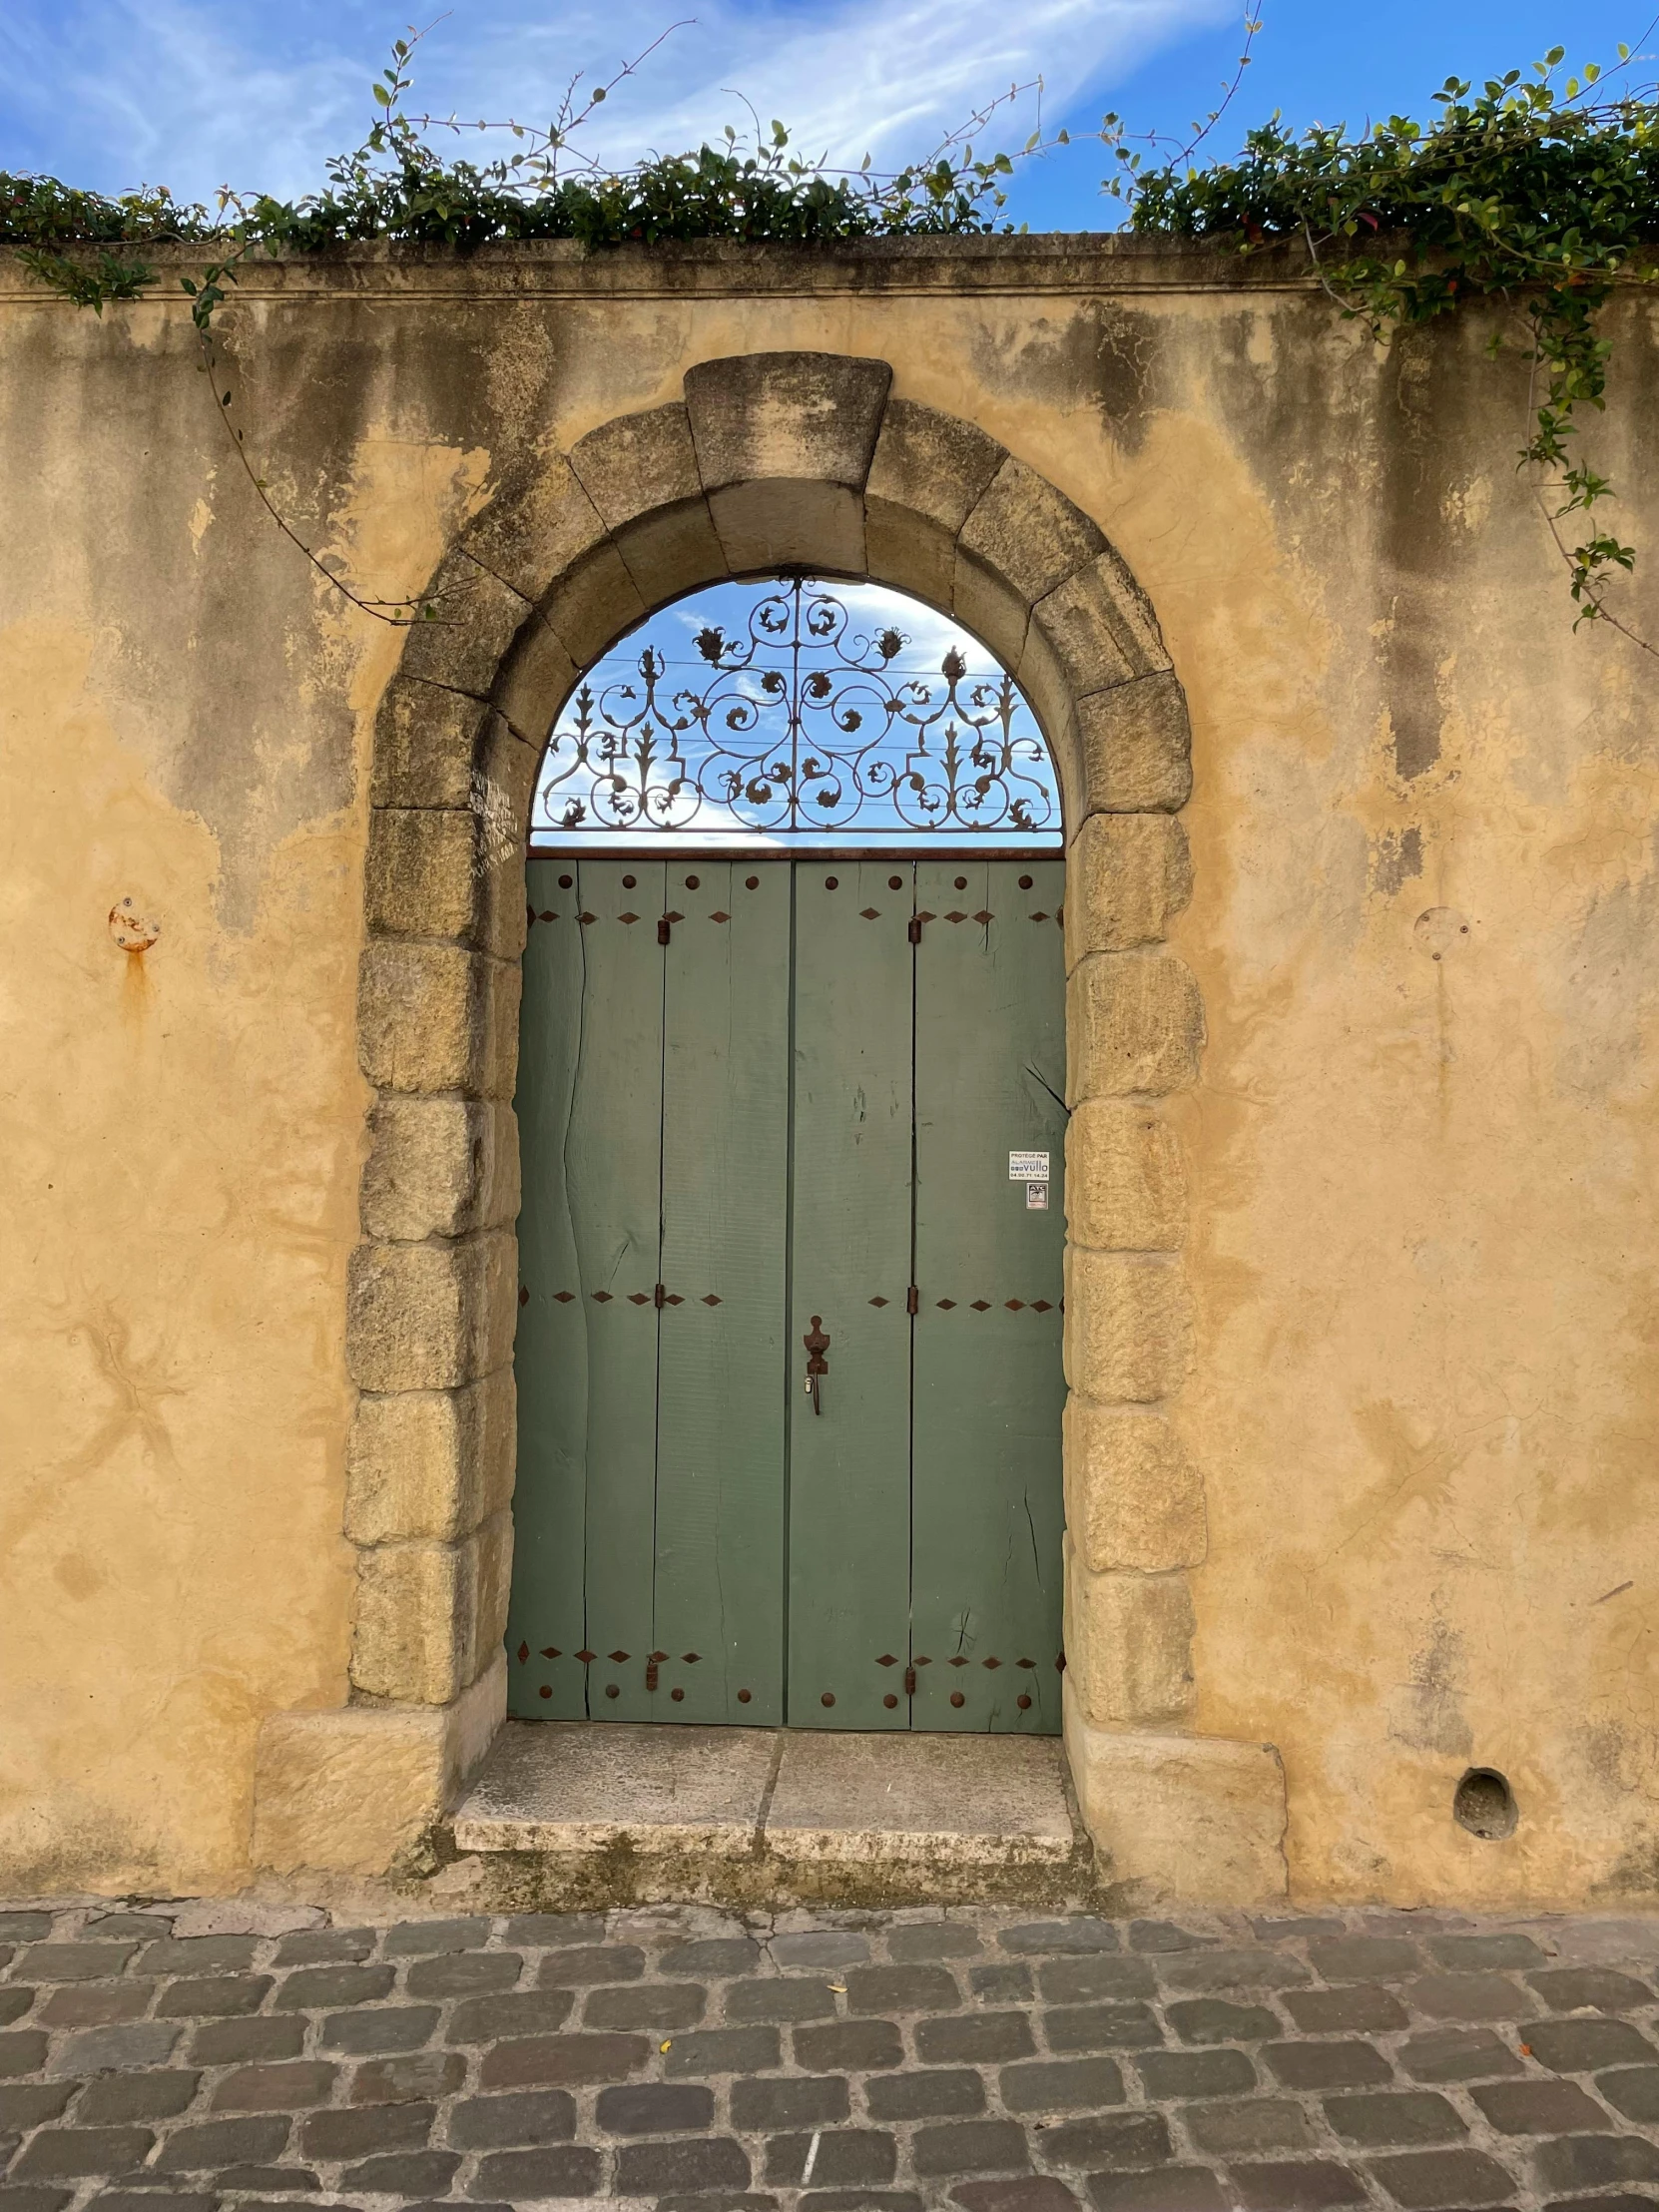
<point x="788" y="713"/>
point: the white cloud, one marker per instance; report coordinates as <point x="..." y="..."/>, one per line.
<point x="111" y="91"/>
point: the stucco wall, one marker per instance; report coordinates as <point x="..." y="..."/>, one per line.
<point x="1423" y="919"/>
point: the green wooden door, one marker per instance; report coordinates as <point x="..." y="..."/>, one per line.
<point x="754" y="1096"/>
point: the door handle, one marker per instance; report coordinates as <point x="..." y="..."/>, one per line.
<point x="816" y="1343"/>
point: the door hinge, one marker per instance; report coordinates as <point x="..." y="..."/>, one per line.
<point x="913" y="1300"/>
<point x="909" y="1681"/>
<point x="915" y="928"/>
<point x="664" y="929"/>
<point x="651" y="1674"/>
<point x="659" y="1296"/>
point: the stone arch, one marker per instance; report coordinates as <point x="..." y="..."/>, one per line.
<point x="769" y="462"/>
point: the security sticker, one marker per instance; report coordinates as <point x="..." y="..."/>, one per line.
<point x="1037" y="1198"/>
<point x="1029" y="1167"/>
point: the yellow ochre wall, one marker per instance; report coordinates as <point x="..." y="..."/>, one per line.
<point x="1420" y="1160"/>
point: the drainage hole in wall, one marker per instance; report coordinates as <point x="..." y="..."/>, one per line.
<point x="1486" y="1805"/>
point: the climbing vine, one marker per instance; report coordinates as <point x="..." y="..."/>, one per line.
<point x="397" y="186"/>
<point x="1533" y="192"/>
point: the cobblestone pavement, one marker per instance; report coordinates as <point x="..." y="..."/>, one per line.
<point x="677" y="2056"/>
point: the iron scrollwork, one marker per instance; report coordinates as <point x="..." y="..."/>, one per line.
<point x="801" y="727"/>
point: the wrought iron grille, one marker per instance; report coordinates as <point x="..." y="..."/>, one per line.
<point x="798" y="726"/>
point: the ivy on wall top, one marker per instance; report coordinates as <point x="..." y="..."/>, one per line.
<point x="1530" y="191"/>
<point x="1536" y="193"/>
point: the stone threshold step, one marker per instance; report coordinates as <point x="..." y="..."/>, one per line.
<point x="789" y="1796"/>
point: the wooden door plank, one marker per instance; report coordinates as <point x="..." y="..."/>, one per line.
<point x="990" y="1055"/>
<point x="614" y="1168"/>
<point x="721" y="1377"/>
<point x="850" y="1263"/>
<point x="546" y="1614"/>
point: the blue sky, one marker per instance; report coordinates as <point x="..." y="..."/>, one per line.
<point x="194" y="93"/>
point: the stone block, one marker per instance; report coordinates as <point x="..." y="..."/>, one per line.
<point x="1126" y="876"/>
<point x="429" y="1616"/>
<point x="345" y="1789"/>
<point x="592" y="604"/>
<point x="1134" y="1500"/>
<point x="638" y="463"/>
<point x="439" y="1167"/>
<point x="1188" y="1819"/>
<point x="785" y="522"/>
<point x="812" y="417"/>
<point x="1125" y="1189"/>
<point x="641" y="472"/>
<point x="492" y="1586"/>
<point x="928" y="474"/>
<point x="1026" y="535"/>
<point x="675" y="550"/>
<point x="430" y="1464"/>
<point x="443" y="873"/>
<point x="1134" y="1022"/>
<point x="433" y="1017"/>
<point x="536" y="678"/>
<point x="1129" y="1645"/>
<point x="537" y="526"/>
<point x="430" y="1317"/>
<point x="1093" y="631"/>
<point x="1128" y="1330"/>
<point x="427" y="742"/>
<point x="475" y="618"/>
<point x="1135" y="743"/>
<point x="997" y="616"/>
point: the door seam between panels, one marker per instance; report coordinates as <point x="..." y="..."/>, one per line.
<point x="789" y="1319"/>
<point x="587" y="1317"/>
<point x="910" y="1365"/>
<point x="658" y="1308"/>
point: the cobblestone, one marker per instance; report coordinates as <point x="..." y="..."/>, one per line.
<point x="841" y="2062"/>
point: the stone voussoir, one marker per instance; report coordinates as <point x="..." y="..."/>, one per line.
<point x="1135" y="747"/>
<point x="784" y="447"/>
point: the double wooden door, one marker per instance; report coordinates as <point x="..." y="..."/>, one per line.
<point x="763" y="1101"/>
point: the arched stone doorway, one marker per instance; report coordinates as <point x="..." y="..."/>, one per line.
<point x="769" y="462"/>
